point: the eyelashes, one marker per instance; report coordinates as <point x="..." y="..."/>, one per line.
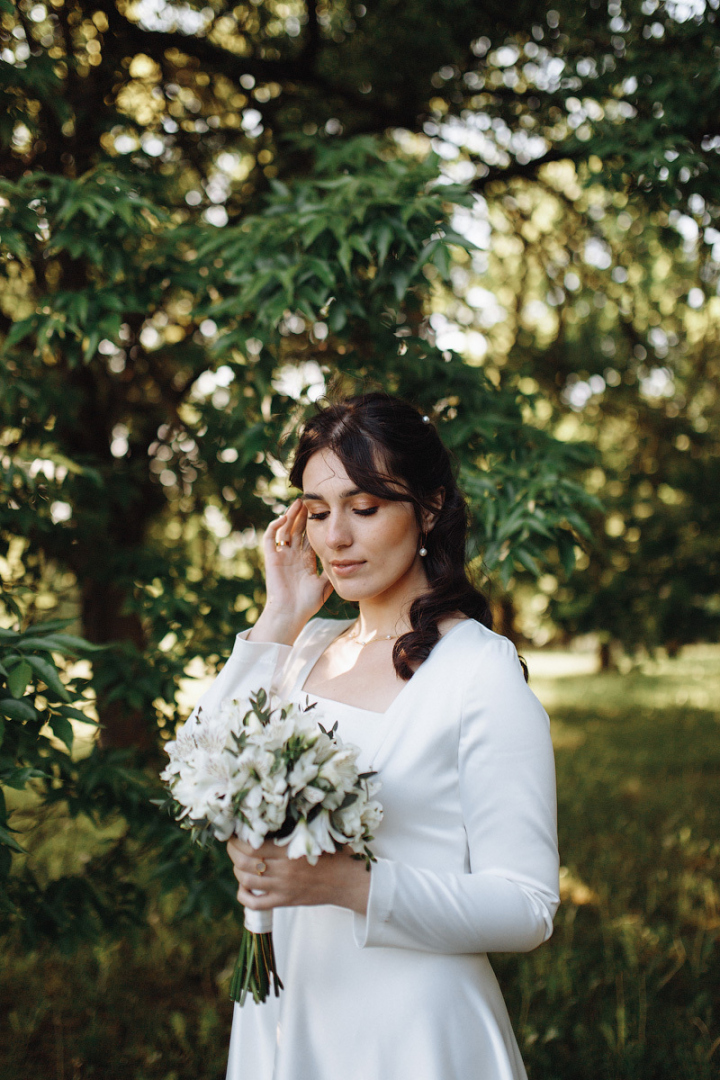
<point x="362" y="513"/>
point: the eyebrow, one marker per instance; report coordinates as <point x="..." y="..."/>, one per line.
<point x="308" y="495"/>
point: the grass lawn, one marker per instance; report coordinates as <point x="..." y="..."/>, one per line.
<point x="628" y="987"/>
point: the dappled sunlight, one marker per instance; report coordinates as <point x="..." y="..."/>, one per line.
<point x="566" y="678"/>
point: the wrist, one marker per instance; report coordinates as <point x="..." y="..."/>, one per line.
<point x="276" y="627"/>
<point x="354" y="890"/>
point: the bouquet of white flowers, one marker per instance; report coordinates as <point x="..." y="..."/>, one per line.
<point x="267" y="770"/>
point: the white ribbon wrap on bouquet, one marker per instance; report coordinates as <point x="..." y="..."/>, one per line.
<point x="258" y="922"/>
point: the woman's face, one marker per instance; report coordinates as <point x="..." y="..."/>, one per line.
<point x="366" y="545"/>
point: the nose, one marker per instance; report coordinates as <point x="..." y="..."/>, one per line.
<point x="338" y="533"/>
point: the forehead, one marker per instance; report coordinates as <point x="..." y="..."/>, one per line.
<point x="325" y="473"/>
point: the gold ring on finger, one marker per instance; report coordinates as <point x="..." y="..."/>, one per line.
<point x="282" y="543"/>
<point x="260" y="868"/>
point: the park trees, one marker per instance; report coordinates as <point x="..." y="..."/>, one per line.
<point x="210" y="214"/>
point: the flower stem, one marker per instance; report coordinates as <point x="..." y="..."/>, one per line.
<point x="255" y="969"/>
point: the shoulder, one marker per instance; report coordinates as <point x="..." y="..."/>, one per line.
<point x="488" y="668"/>
<point x="476" y="643"/>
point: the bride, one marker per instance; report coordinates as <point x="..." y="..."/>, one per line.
<point x="386" y="973"/>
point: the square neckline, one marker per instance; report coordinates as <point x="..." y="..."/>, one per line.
<point x="305" y="673"/>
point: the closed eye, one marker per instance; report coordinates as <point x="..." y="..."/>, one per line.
<point x="324" y="513"/>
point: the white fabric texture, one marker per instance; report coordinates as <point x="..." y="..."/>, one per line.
<point x="467" y="864"/>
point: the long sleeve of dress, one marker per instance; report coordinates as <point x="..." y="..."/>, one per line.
<point x="251" y="665"/>
<point x="506" y="899"/>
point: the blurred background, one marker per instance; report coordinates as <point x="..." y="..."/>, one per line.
<point x="210" y="218"/>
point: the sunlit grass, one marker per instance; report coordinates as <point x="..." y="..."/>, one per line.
<point x="627" y="989"/>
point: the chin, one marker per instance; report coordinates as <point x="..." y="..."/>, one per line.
<point x="354" y="591"/>
<point x="353" y="594"/>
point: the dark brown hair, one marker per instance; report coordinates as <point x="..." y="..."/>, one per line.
<point x="391" y="451"/>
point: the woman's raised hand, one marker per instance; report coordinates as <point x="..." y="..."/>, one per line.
<point x="295" y="590"/>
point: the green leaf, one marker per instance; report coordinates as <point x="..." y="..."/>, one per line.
<point x="18" y="679"/>
<point x="37" y="643"/>
<point x="76" y="714"/>
<point x="48" y="673"/>
<point x="18" y="710"/>
<point x="62" y="643"/>
<point x="63" y="730"/>
<point x="18" y="778"/>
<point x="2" y="730"/>
<point x="525" y="559"/>
<point x="8" y="839"/>
<point x="48" y="627"/>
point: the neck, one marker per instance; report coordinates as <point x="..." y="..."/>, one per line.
<point x="389" y="613"/>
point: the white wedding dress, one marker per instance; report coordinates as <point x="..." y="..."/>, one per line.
<point x="467" y="864"/>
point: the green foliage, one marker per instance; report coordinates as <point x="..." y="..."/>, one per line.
<point x="333" y="263"/>
<point x="39" y="704"/>
<point x="155" y="366"/>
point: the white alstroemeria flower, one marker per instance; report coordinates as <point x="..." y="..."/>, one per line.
<point x="320" y="829"/>
<point x="256" y="759"/>
<point x="349" y="820"/>
<point x="198" y="788"/>
<point x="309" y="797"/>
<point x="275" y="783"/>
<point x="303" y="771"/>
<point x="305" y="841"/>
<point x="253" y="834"/>
<point x="372" y="815"/>
<point x="300" y="842"/>
<point x="340" y="770"/>
<point x="223" y="823"/>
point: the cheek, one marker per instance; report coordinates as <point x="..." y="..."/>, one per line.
<point x="394" y="537"/>
<point x="313" y="539"/>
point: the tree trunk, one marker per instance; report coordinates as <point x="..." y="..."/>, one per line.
<point x="605" y="656"/>
<point x="104" y="622"/>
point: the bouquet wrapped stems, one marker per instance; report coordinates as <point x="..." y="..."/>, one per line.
<point x="255" y="968"/>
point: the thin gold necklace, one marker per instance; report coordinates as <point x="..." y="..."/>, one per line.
<point x="385" y="637"/>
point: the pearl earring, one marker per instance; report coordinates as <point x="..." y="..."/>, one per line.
<point x="423" y="549"/>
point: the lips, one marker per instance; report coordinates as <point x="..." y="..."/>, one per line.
<point x="347" y="567"/>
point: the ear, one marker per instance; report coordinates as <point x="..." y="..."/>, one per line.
<point x="429" y="517"/>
